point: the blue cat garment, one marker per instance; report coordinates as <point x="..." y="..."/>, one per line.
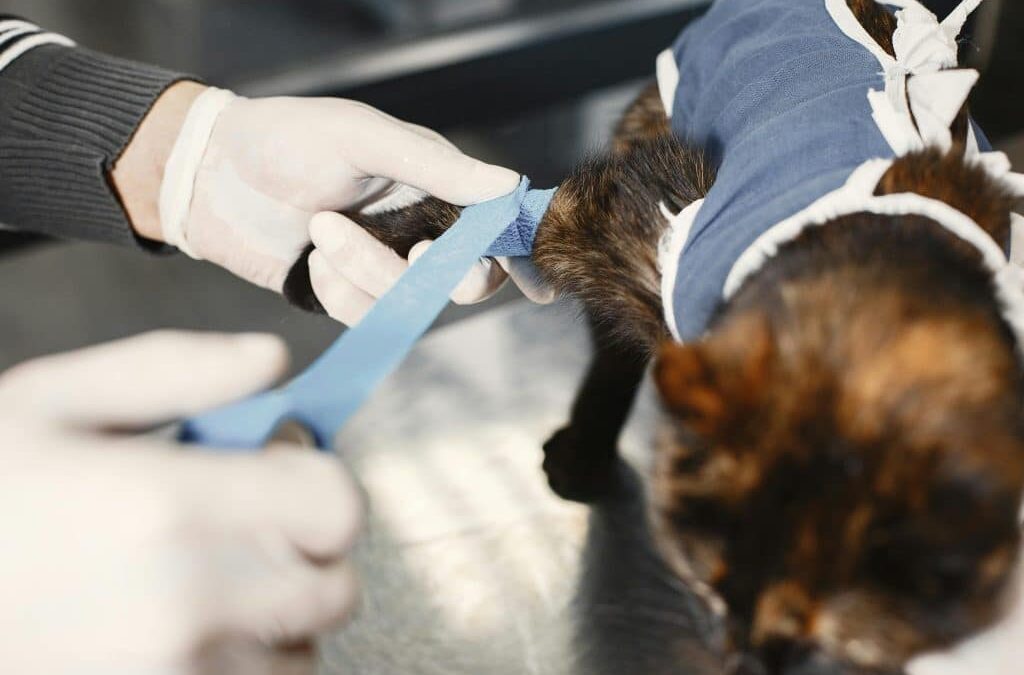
<point x="324" y="397"/>
<point x="788" y="98"/>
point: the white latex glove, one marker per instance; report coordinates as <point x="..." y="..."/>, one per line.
<point x="127" y="555"/>
<point x="246" y="177"/>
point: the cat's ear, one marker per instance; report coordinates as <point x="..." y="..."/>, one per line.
<point x="710" y="385"/>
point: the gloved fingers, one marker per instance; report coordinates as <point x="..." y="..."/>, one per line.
<point x="251" y="657"/>
<point x="398" y="153"/>
<point x="422" y="131"/>
<point x="355" y="254"/>
<point x="481" y="283"/>
<point x="343" y="301"/>
<point x="145" y="380"/>
<point x="399" y="195"/>
<point x="430" y="134"/>
<point x="525" y="275"/>
<point x="304" y="499"/>
<point x="294" y="603"/>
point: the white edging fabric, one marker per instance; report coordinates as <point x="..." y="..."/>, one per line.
<point x="857" y="197"/>
<point x="843" y="201"/>
<point x="9" y="24"/>
<point x="670" y="250"/>
<point x="668" y="80"/>
<point x="179" y="183"/>
<point x="916" y="112"/>
<point x="912" y="114"/>
<point x="14" y="30"/>
<point x="924" y="48"/>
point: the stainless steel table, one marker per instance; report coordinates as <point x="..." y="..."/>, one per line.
<point x="471" y="565"/>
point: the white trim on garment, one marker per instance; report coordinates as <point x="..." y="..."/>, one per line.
<point x="924" y="91"/>
<point x="670" y="250"/>
<point x="912" y="113"/>
<point x="857" y="196"/>
<point x="668" y="80"/>
<point x="18" y="37"/>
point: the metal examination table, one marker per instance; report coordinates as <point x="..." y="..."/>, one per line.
<point x="471" y="565"/>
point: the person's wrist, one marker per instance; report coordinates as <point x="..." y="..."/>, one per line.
<point x="139" y="172"/>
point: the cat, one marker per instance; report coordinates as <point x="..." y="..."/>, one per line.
<point x="843" y="459"/>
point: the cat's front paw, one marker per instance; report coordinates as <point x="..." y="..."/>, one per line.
<point x="580" y="469"/>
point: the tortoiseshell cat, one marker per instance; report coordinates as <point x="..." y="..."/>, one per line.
<point x="845" y="462"/>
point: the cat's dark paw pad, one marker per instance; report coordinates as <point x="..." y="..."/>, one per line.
<point x="577" y="469"/>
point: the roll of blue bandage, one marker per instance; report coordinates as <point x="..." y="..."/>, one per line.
<point x="324" y="397"/>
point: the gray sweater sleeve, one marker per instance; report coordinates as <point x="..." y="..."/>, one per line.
<point x="66" y="115"/>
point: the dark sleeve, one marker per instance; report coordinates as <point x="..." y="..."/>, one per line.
<point x="66" y="115"/>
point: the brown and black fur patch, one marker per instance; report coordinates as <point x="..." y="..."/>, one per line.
<point x="877" y="21"/>
<point x="595" y="243"/>
<point x="963" y="185"/>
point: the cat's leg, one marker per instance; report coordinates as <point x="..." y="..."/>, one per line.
<point x="398" y="230"/>
<point x="598" y="244"/>
<point x="581" y="460"/>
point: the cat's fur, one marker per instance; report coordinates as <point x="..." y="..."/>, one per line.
<point x="846" y="455"/>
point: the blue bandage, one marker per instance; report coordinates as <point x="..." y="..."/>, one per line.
<point x="517" y="240"/>
<point x="324" y="397"/>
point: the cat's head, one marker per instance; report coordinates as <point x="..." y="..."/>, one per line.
<point x="845" y="464"/>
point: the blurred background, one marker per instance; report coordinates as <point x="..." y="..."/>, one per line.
<point x="531" y="84"/>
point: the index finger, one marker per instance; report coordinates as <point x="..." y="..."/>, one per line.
<point x="393" y="150"/>
<point x="307" y="499"/>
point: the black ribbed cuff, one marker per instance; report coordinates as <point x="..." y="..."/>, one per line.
<point x="66" y="115"/>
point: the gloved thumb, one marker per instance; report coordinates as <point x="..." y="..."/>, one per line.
<point x="144" y="381"/>
<point x="527" y="277"/>
<point x="481" y="283"/>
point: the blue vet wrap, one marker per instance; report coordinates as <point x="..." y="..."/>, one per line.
<point x="335" y="387"/>
<point x="517" y="240"/>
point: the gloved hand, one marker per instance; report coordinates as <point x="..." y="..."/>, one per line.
<point x="125" y="555"/>
<point x="350" y="271"/>
<point x="246" y="177"/>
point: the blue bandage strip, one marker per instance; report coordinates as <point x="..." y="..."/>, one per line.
<point x="324" y="397"/>
<point x="517" y="240"/>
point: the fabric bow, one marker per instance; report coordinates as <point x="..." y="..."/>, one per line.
<point x="925" y="91"/>
<point x="922" y="43"/>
